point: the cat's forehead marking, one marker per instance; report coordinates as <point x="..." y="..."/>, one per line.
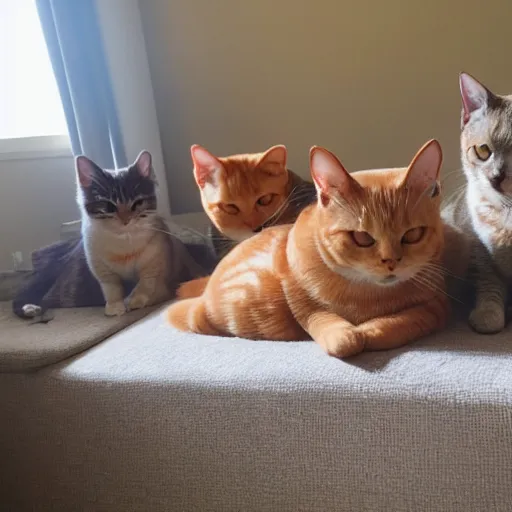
<point x="121" y="186"/>
<point x="383" y="210"/>
<point x="491" y="125"/>
<point x="500" y="120"/>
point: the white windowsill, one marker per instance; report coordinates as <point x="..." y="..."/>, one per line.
<point x="25" y="148"/>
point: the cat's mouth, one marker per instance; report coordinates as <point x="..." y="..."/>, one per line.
<point x="389" y="280"/>
<point x="501" y="184"/>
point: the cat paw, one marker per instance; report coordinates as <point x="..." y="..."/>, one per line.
<point x="31" y="310"/>
<point x="138" y="301"/>
<point x="341" y="341"/>
<point x="115" y="308"/>
<point x="487" y="319"/>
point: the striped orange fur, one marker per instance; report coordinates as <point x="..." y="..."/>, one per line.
<point x="359" y="270"/>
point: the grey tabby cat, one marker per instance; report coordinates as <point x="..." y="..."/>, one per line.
<point x="484" y="209"/>
<point x="124" y="239"/>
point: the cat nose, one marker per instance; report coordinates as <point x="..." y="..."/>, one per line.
<point x="391" y="263"/>
<point x="496" y="179"/>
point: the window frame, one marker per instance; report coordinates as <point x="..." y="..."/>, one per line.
<point x="39" y="146"/>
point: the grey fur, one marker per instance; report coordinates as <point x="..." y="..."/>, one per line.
<point x="124" y="238"/>
<point x="483" y="209"/>
<point x="73" y="273"/>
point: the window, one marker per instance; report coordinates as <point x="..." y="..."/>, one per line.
<point x="31" y="114"/>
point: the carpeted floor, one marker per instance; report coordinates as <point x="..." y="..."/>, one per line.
<point x="25" y="345"/>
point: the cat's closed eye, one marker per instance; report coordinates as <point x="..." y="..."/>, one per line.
<point x="482" y="151"/>
<point x="101" y="208"/>
<point x="231" y="209"/>
<point x="137" y="204"/>
<point x="265" y="200"/>
<point x="362" y="238"/>
<point x="414" y="235"/>
<point x="110" y="207"/>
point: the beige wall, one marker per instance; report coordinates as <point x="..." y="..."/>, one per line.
<point x="36" y="196"/>
<point x="370" y="80"/>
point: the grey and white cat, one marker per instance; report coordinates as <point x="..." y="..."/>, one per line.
<point x="484" y="209"/>
<point x="124" y="238"/>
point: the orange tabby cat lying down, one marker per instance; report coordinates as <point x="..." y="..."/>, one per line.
<point x="359" y="270"/>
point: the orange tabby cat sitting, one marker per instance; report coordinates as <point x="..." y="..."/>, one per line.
<point x="359" y="270"/>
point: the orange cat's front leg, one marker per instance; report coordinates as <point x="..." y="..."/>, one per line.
<point x="396" y="330"/>
<point x="337" y="336"/>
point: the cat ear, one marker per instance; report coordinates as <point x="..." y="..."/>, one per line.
<point x="206" y="166"/>
<point x="329" y="175"/>
<point x="274" y="159"/>
<point x="423" y="171"/>
<point x="474" y="95"/>
<point x="143" y="164"/>
<point x="86" y="169"/>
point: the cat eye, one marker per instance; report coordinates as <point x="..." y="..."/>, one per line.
<point x="413" y="236"/>
<point x="232" y="209"/>
<point x="483" y="152"/>
<point x="109" y="207"/>
<point x="137" y="204"/>
<point x="265" y="200"/>
<point x="362" y="238"/>
<point x="101" y="209"/>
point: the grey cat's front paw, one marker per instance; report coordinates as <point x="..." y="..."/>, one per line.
<point x="138" y="301"/>
<point x="115" y="308"/>
<point x="487" y="319"/>
<point x="31" y="310"/>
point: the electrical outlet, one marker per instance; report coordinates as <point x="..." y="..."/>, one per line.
<point x="17" y="260"/>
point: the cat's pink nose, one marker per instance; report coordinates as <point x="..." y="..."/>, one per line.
<point x="124" y="219"/>
<point x="391" y="263"/>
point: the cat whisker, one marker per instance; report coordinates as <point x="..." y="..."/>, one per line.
<point x="424" y="280"/>
<point x="444" y="270"/>
<point x="422" y="284"/>
<point x="508" y="215"/>
<point x="170" y="233"/>
<point x="162" y="231"/>
<point x="195" y="232"/>
<point x="507" y="202"/>
<point x="293" y="198"/>
<point x="455" y="194"/>
<point x="449" y="174"/>
<point x="422" y="195"/>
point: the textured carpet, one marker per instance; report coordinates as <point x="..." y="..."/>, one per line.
<point x="161" y="421"/>
<point x="26" y="346"/>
